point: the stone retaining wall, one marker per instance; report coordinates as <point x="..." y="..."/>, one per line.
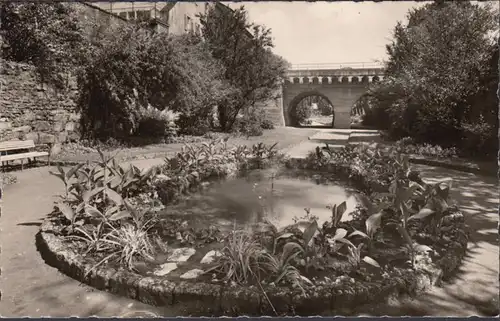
<point x="31" y="111"/>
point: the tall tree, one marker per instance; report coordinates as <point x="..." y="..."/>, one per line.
<point x="251" y="69"/>
<point x="48" y="35"/>
<point x="437" y="62"/>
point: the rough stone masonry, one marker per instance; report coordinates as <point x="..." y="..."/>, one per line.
<point x="32" y="111"/>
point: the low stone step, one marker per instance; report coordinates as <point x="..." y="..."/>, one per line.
<point x="330" y="136"/>
<point x="330" y="141"/>
<point x="303" y="149"/>
<point x="365" y="136"/>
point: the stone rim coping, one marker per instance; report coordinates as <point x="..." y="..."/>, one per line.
<point x="216" y="298"/>
<point x="467" y="167"/>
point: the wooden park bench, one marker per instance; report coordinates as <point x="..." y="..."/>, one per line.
<point x="20" y="150"/>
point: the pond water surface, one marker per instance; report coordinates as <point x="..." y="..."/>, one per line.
<point x="278" y="197"/>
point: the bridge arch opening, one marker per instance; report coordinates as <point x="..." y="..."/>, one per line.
<point x="311" y="109"/>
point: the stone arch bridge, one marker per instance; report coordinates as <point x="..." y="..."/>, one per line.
<point x="340" y="84"/>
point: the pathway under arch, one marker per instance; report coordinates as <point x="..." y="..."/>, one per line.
<point x="297" y="100"/>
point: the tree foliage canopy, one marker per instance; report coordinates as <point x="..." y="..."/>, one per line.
<point x="47" y="35"/>
<point x="136" y="68"/>
<point x="444" y="51"/>
<point x="251" y="70"/>
<point x="441" y="64"/>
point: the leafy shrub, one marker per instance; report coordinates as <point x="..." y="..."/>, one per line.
<point x="301" y="113"/>
<point x="253" y="122"/>
<point x="407" y="146"/>
<point x="405" y="141"/>
<point x="153" y="123"/>
<point x="248" y="126"/>
<point x="479" y="139"/>
<point x="193" y="125"/>
<point x="267" y="124"/>
<point x="132" y="68"/>
<point x="96" y="187"/>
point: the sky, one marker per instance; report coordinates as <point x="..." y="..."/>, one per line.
<point x="327" y="32"/>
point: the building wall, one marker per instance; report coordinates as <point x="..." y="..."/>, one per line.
<point x="182" y="17"/>
<point x="134" y="10"/>
<point x="273" y="108"/>
<point x="92" y="15"/>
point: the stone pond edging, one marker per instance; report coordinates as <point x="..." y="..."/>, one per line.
<point x="462" y="167"/>
<point x="342" y="297"/>
<point x="339" y="297"/>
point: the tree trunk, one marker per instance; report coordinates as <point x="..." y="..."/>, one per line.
<point x="223" y="117"/>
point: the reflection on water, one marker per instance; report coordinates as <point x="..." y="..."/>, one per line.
<point x="262" y="195"/>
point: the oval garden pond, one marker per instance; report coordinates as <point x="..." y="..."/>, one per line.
<point x="280" y="196"/>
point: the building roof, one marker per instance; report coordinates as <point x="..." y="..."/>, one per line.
<point x="168" y="6"/>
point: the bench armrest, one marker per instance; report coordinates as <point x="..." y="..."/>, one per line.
<point x="43" y="147"/>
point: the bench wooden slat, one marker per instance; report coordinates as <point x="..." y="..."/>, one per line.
<point x="14" y="145"/>
<point x="23" y="156"/>
<point x="21" y="149"/>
